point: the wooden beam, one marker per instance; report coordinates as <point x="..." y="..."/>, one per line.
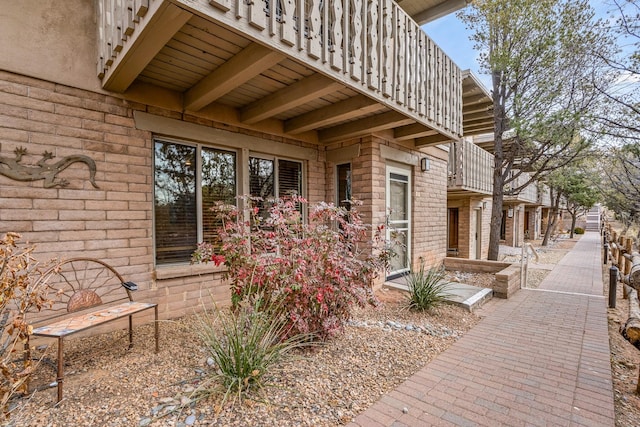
<point x="428" y="141"/>
<point x="248" y="63"/>
<point x="298" y="93"/>
<point x="343" y="110"/>
<point x="478" y="115"/>
<point x="364" y="126"/>
<point x="144" y="44"/>
<point x="473" y="99"/>
<point x="477" y="122"/>
<point x="478" y="129"/>
<point x="412" y="131"/>
<point x="476" y="108"/>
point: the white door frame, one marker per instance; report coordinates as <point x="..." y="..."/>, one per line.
<point x="403" y="175"/>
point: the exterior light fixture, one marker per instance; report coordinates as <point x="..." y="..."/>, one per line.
<point x="425" y="164"/>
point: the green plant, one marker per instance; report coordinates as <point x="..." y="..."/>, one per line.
<point x="578" y="230"/>
<point x="244" y="344"/>
<point x="428" y="288"/>
<point x="21" y="292"/>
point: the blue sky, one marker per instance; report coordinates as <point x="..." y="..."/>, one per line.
<point x="453" y="38"/>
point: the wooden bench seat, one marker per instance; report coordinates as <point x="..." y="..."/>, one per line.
<point x="86" y="293"/>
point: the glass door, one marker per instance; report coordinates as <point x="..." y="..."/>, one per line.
<point x="399" y="223"/>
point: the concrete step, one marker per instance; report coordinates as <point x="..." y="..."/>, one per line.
<point x="467" y="296"/>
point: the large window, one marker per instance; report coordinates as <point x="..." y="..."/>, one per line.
<point x="190" y="179"/>
<point x="179" y="224"/>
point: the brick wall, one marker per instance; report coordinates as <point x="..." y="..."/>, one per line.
<point x="114" y="222"/>
<point x="467" y="225"/>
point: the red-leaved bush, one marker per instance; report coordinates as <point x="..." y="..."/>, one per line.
<point x="314" y="270"/>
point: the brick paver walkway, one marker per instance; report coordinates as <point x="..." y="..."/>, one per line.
<point x="540" y="358"/>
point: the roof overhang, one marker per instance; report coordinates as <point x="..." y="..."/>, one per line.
<point x="477" y="106"/>
<point x="424" y="11"/>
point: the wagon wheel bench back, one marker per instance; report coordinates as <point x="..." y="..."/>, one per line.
<point x="87" y="293"/>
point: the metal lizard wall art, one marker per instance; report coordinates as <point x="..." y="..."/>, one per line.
<point x="11" y="168"/>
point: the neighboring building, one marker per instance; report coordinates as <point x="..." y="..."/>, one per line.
<point x="137" y="116"/>
<point x="470" y="177"/>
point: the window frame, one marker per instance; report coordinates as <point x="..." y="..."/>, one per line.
<point x="242" y="182"/>
<point x="198" y="188"/>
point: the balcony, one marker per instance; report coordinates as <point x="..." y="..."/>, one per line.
<point x="528" y="195"/>
<point x="470" y="170"/>
<point x="544" y="196"/>
<point x="317" y="70"/>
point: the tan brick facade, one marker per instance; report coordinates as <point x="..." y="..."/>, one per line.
<point x="474" y="219"/>
<point x="114" y="222"/>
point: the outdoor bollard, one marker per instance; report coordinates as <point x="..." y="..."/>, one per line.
<point x="613" y="281"/>
<point x="605" y="258"/>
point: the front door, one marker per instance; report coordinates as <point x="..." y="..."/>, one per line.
<point x="399" y="210"/>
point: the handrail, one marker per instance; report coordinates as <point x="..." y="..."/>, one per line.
<point x="524" y="263"/>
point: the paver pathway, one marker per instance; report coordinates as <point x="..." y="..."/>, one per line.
<point x="540" y="358"/>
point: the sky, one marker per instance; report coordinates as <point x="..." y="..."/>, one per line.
<point x="450" y="34"/>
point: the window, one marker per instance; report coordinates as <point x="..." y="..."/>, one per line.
<point x="190" y="178"/>
<point x="178" y="187"/>
<point x="263" y="182"/>
<point x="343" y="173"/>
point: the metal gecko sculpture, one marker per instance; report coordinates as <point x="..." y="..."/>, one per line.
<point x="11" y="168"/>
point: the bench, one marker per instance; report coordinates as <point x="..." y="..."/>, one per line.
<point x="86" y="293"/>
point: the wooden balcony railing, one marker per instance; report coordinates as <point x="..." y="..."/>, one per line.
<point x="470" y="168"/>
<point x="371" y="46"/>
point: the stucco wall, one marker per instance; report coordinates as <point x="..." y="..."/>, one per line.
<point x="34" y="44"/>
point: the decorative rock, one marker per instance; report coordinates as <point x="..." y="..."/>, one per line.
<point x="210" y="361"/>
<point x="145" y="422"/>
<point x="156" y="409"/>
<point x="191" y="420"/>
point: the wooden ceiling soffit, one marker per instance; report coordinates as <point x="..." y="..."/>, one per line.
<point x="150" y="39"/>
<point x="486" y="116"/>
<point x="478" y="129"/>
<point x="296" y="94"/>
<point x="484" y="107"/>
<point x="435" y="12"/>
<point x="248" y="63"/>
<point x="428" y="141"/>
<point x="412" y="131"/>
<point x="344" y="110"/>
<point x="473" y="99"/>
<point x="367" y="125"/>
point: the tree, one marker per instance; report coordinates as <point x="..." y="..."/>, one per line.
<point x="618" y="124"/>
<point x="539" y="56"/>
<point x="619" y="182"/>
<point x="574" y="184"/>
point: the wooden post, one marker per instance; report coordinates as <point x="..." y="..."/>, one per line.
<point x="621" y="247"/>
<point x="629" y="248"/>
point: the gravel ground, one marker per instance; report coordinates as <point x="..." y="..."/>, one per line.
<point x="105" y="385"/>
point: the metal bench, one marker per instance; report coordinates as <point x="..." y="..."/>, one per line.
<point x="86" y="293"/>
